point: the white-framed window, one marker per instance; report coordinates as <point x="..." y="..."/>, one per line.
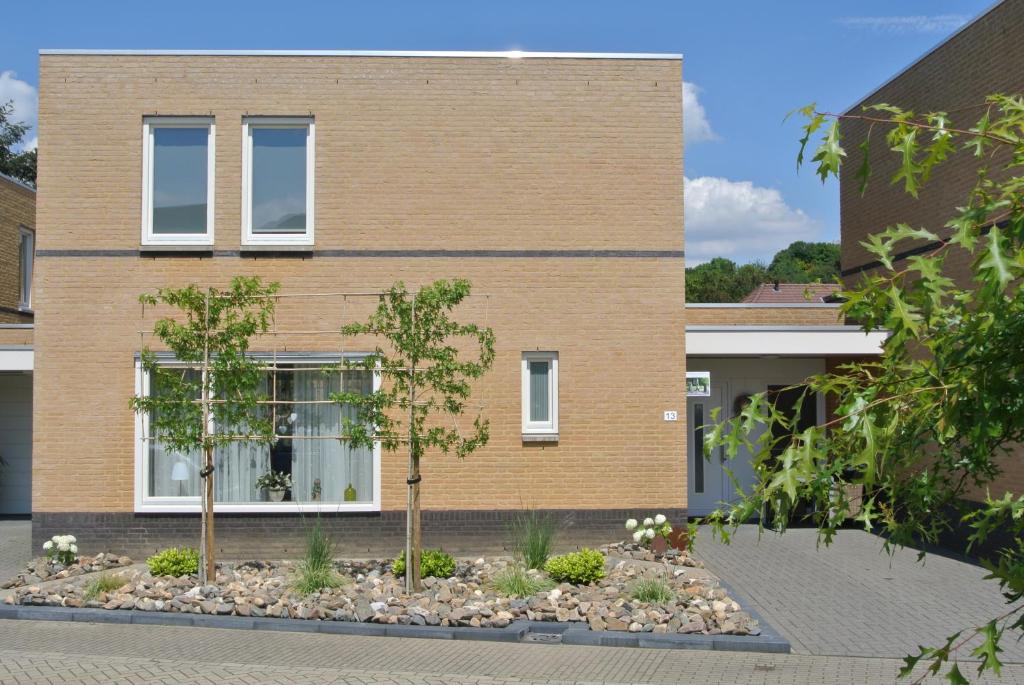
<point x="277" y="180"/>
<point x="177" y="180"/>
<point x="540" y="393"/>
<point x="26" y="263"/>
<point x="327" y="474"/>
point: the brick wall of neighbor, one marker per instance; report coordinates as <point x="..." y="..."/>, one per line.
<point x="984" y="58"/>
<point x="580" y="158"/>
<point x="763" y="316"/>
<point x="17" y="208"/>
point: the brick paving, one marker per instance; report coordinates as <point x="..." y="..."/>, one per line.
<point x="852" y="599"/>
<point x="58" y="652"/>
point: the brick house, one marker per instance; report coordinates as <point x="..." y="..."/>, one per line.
<point x="552" y="182"/>
<point x="17" y="254"/>
<point x="983" y="57"/>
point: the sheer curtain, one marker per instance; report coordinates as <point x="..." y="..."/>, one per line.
<point x="165" y="465"/>
<point x="238" y="465"/>
<point x="315" y="456"/>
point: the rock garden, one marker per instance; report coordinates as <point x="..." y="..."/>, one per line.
<point x="643" y="585"/>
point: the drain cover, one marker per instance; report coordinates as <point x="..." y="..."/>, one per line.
<point x="547" y="638"/>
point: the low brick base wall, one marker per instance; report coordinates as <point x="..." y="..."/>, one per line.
<point x="271" y="536"/>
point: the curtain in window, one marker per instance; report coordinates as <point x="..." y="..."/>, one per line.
<point x="172" y="474"/>
<point x="333" y="462"/>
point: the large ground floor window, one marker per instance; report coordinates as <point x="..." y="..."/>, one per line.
<point x="326" y="474"/>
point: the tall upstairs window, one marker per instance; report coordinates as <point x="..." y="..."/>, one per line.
<point x="26" y="260"/>
<point x="540" y="395"/>
<point x="178" y="171"/>
<point x="277" y="181"/>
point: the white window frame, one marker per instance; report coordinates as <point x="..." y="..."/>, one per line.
<point x="26" y="236"/>
<point x="248" y="124"/>
<point x="148" y="125"/>
<point x="146" y="503"/>
<point x="544" y="428"/>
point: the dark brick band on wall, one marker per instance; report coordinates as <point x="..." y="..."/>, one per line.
<point x="270" y="536"/>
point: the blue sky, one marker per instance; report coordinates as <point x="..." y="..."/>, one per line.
<point x="747" y="64"/>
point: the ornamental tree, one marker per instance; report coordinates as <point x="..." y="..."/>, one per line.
<point x="212" y="394"/>
<point x="941" y="413"/>
<point x="425" y="387"/>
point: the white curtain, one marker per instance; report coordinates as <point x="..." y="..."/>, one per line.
<point x="316" y="455"/>
<point x="164" y="466"/>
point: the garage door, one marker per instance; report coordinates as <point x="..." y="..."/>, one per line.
<point x="16" y="443"/>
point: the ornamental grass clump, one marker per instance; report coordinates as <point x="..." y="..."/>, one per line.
<point x="433" y="562"/>
<point x="578" y="568"/>
<point x="651" y="590"/>
<point x="175" y="561"/>
<point x="515" y="581"/>
<point x="105" y="583"/>
<point x="316" y="570"/>
<point x="61" y="549"/>
<point x="533" y="534"/>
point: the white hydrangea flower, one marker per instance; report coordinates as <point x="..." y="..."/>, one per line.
<point x="659" y="519"/>
<point x="48" y="545"/>
<point x="638" y="536"/>
<point x="649" y="533"/>
<point x="74" y="548"/>
<point x="72" y="539"/>
<point x="630" y="524"/>
<point x="62" y="546"/>
<point x="648" y="522"/>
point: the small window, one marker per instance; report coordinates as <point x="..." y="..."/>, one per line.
<point x="177" y="198"/>
<point x="277" y="184"/>
<point x="26" y="259"/>
<point x="540" y="393"/>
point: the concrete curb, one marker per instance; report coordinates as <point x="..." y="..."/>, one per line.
<point x="565" y="633"/>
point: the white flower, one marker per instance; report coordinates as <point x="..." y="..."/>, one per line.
<point x="648" y="522"/>
<point x="48" y="545"/>
<point x="74" y="548"/>
<point x="71" y="538"/>
<point x="638" y="536"/>
<point x="649" y="533"/>
<point x="630" y="524"/>
<point x="62" y="546"/>
<point x="659" y="519"/>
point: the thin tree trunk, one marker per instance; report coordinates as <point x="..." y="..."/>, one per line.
<point x="211" y="566"/>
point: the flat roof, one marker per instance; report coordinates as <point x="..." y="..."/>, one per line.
<point x="506" y="54"/>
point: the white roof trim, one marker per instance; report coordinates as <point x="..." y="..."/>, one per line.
<point x="17" y="182"/>
<point x="508" y="54"/>
<point x="793" y="341"/>
<point x="762" y="305"/>
<point x="16" y="359"/>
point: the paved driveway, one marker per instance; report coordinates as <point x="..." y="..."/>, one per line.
<point x="15" y="543"/>
<point x="852" y="599"/>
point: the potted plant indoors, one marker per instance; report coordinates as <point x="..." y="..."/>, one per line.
<point x="275" y="483"/>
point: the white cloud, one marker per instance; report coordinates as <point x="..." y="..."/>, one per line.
<point x="938" y="23"/>
<point x="25" y="98"/>
<point x="696" y="127"/>
<point x="740" y="221"/>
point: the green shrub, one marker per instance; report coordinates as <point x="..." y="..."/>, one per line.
<point x="105" y="582"/>
<point x="433" y="562"/>
<point x="579" y="568"/>
<point x="651" y="590"/>
<point x="176" y="561"/>
<point x="532" y="535"/>
<point x="514" y="581"/>
<point x="316" y="570"/>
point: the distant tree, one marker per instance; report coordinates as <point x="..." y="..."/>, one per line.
<point x="20" y="165"/>
<point x="803" y="262"/>
<point x="721" y="280"/>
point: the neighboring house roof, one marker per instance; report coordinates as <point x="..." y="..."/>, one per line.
<point x="17" y="182"/>
<point x="791" y="293"/>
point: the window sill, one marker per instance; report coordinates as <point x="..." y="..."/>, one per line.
<point x="258" y="508"/>
<point x="277" y="247"/>
<point x="540" y="437"/>
<point x="175" y="247"/>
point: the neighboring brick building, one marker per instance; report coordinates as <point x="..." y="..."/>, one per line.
<point x="552" y="182"/>
<point x="984" y="57"/>
<point x="17" y="254"/>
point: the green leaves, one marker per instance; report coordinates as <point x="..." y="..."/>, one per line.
<point x="994" y="262"/>
<point x="829" y="154"/>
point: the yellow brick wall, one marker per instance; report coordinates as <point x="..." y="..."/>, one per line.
<point x="17" y="208"/>
<point x="763" y="316"/>
<point x="411" y="154"/>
